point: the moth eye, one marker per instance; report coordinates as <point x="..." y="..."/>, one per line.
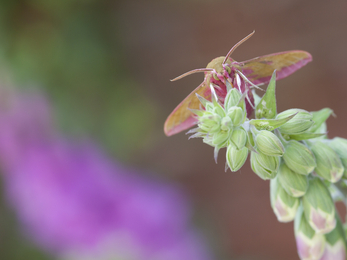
<point x="228" y="69"/>
<point x="215" y="76"/>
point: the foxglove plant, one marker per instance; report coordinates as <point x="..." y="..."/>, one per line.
<point x="291" y="149"/>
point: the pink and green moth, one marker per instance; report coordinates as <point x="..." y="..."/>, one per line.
<point x="223" y="71"/>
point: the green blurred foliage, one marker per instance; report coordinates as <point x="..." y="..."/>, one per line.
<point x="71" y="49"/>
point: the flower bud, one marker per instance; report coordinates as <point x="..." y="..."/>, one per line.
<point x="220" y="138"/>
<point x="207" y="139"/>
<point x="294" y="183"/>
<point x="236" y="158"/>
<point x="226" y="123"/>
<point x="339" y="145"/>
<point x="319" y="207"/>
<point x="218" y="109"/>
<point x="329" y="165"/>
<point x="298" y="124"/>
<point x="237" y="115"/>
<point x="209" y="122"/>
<point x="335" y="247"/>
<point x="310" y="245"/>
<point x="209" y="107"/>
<point x="284" y="205"/>
<point x="268" y="143"/>
<point x="264" y="166"/>
<point x="239" y="138"/>
<point x="232" y="98"/>
<point x="299" y="158"/>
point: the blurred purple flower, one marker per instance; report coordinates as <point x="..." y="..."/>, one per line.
<point x="78" y="204"/>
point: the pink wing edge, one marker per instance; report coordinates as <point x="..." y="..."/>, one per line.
<point x="281" y="73"/>
<point x="188" y="123"/>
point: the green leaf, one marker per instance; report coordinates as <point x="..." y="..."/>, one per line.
<point x="267" y="105"/>
<point x="270" y="124"/>
<point x="319" y="117"/>
<point x="303" y="136"/>
<point x="256" y="97"/>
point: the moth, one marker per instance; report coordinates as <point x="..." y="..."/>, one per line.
<point x="224" y="71"/>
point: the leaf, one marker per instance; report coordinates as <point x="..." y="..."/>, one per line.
<point x="270" y="124"/>
<point x="319" y="117"/>
<point x="267" y="105"/>
<point x="304" y="136"/>
<point x="256" y="97"/>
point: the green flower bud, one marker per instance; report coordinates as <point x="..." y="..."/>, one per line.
<point x="319" y="207"/>
<point x="218" y="109"/>
<point x="269" y="144"/>
<point x="339" y="145"/>
<point x="232" y="98"/>
<point x="226" y="124"/>
<point x="239" y="138"/>
<point x="210" y="122"/>
<point x="209" y="107"/>
<point x="213" y="141"/>
<point x="237" y="115"/>
<point x="220" y="138"/>
<point x="298" y="124"/>
<point x="284" y="205"/>
<point x="329" y="165"/>
<point x="299" y="158"/>
<point x="310" y="244"/>
<point x="294" y="183"/>
<point x="264" y="166"/>
<point x="236" y="158"/>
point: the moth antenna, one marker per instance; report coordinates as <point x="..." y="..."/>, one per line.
<point x="237" y="45"/>
<point x="191" y="72"/>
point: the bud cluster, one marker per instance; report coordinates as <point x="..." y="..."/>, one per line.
<point x="291" y="150"/>
<point x="224" y="126"/>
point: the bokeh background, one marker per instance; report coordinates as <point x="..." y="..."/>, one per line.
<point x="104" y="67"/>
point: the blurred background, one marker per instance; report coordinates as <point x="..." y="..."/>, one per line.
<point x="100" y="72"/>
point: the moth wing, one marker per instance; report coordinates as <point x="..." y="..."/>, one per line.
<point x="181" y="118"/>
<point x="260" y="69"/>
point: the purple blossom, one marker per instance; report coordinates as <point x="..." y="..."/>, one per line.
<point x="78" y="204"/>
